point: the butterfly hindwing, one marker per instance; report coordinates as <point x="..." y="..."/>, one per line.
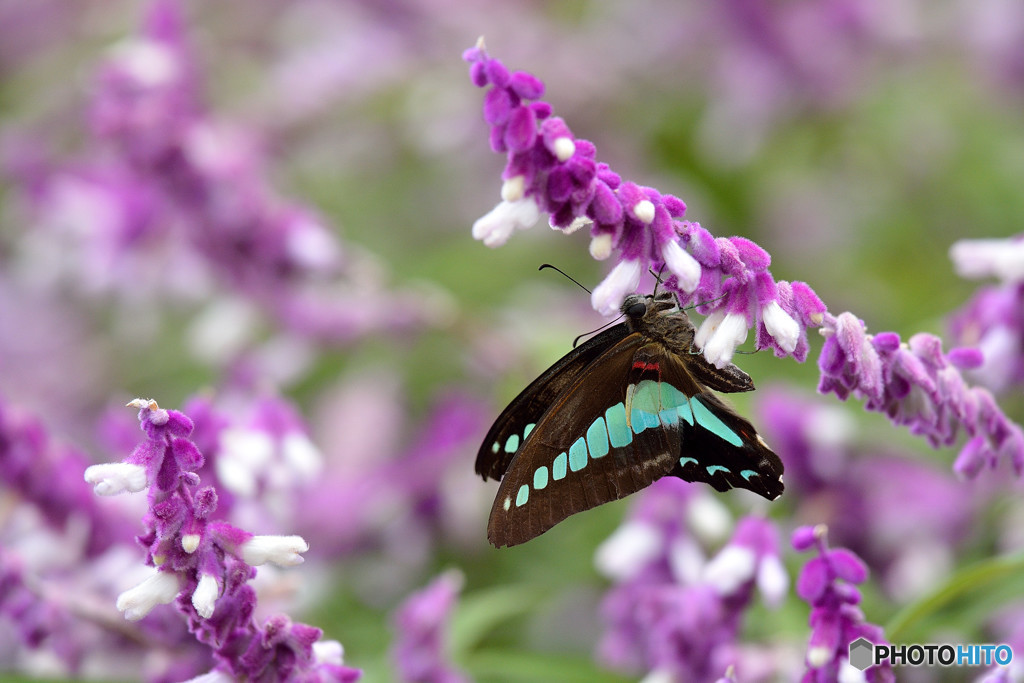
<point x="610" y="434"/>
<point x="723" y="449"/>
<point x="521" y="416"/>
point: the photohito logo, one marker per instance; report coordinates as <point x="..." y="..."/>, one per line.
<point x="864" y="653"/>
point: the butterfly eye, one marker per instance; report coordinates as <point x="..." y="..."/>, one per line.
<point x="637" y="310"/>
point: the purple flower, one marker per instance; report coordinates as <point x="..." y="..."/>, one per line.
<point x="671" y="612"/>
<point x="828" y="583"/>
<point x="917" y="385"/>
<point x="37" y="620"/>
<point x="549" y="170"/>
<point x="421" y="631"/>
<point x="45" y="474"/>
<point x="910" y="535"/>
<point x="205" y="566"/>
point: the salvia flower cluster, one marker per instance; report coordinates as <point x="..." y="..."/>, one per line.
<point x="674" y="613"/>
<point x="204" y="566"/>
<point x="828" y="583"/>
<point x="549" y="170"/>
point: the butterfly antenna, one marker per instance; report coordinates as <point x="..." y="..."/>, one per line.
<point x="587" y="334"/>
<point x="567" y="276"/>
<point x="705" y="303"/>
<point x="657" y="276"/>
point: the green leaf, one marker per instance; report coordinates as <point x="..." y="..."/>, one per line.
<point x="987" y="575"/>
<point x="480" y="612"/>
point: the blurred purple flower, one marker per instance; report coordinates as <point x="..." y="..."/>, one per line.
<point x="671" y="612"/>
<point x="175" y="199"/>
<point x="205" y="566"/>
<point x="395" y="496"/>
<point x="908" y="534"/>
<point x="993" y="320"/>
<point x="36" y="620"/>
<point x="828" y="584"/>
<point x="46" y="475"/>
<point x="421" y="633"/>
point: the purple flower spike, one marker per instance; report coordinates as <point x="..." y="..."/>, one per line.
<point x="917" y="385"/>
<point x="549" y="170"/>
<point x="828" y="583"/>
<point x="204" y="567"/>
<point x="421" y="625"/>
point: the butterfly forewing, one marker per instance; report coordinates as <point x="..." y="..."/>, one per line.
<point x="518" y="420"/>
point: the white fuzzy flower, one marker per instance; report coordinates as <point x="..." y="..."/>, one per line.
<point x="601" y="246"/>
<point x="628" y="550"/>
<point x="681" y="264"/>
<point x="644" y="211"/>
<point x="112" y="478"/>
<point x="719" y="335"/>
<point x="280" y="550"/>
<point x="983" y="258"/>
<point x="772" y="580"/>
<point x="577" y="223"/>
<point x="624" y="279"/>
<point x="564" y="148"/>
<point x="781" y="326"/>
<point x="329" y="652"/>
<point x="190" y="542"/>
<point x="159" y="589"/>
<point x="732" y="567"/>
<point x="204" y="597"/>
<point x="245" y="454"/>
<point x="497" y="226"/>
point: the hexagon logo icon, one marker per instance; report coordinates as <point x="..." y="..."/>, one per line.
<point x="862" y="653"/>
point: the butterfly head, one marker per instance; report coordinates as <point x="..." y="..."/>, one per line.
<point x="659" y="317"/>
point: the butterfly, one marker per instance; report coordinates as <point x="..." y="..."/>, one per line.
<point x="629" y="406"/>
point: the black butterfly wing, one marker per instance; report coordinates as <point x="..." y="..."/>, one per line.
<point x="611" y="433"/>
<point x="521" y="416"/>
<point x="718" y="446"/>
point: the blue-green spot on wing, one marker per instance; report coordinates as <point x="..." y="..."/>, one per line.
<point x="517" y="421"/>
<point x="601" y="439"/>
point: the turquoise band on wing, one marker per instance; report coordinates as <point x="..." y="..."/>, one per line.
<point x="652" y="405"/>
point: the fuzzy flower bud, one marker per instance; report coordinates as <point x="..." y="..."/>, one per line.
<point x="781" y="326"/>
<point x="623" y="280"/>
<point x="159" y="589"/>
<point x="280" y="550"/>
<point x="494" y="228"/>
<point x="112" y="478"/>
<point x="205" y="596"/>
